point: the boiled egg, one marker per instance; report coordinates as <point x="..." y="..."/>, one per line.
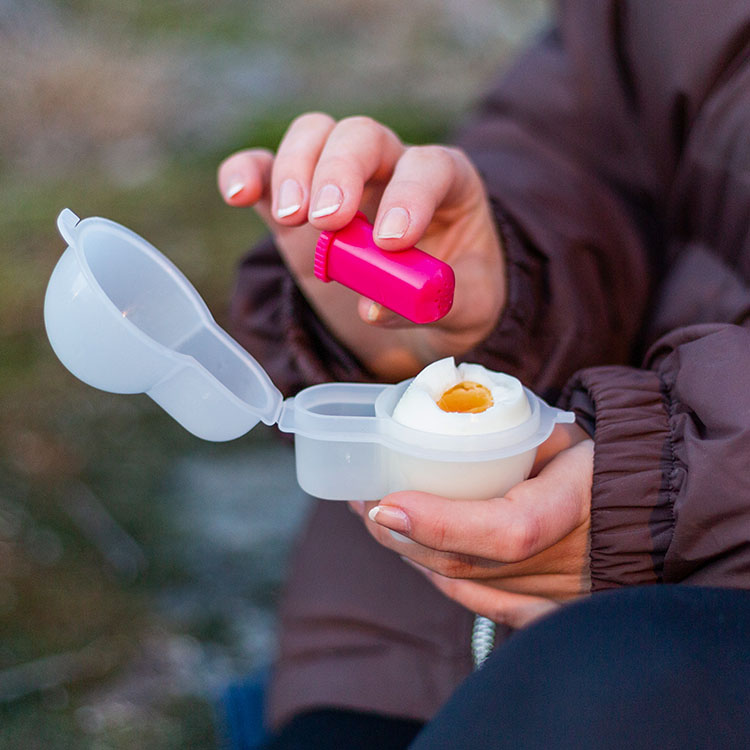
<point x="464" y="400"/>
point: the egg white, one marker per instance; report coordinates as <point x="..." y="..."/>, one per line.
<point x="417" y="407"/>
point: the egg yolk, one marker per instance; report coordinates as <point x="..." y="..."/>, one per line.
<point x="467" y="397"/>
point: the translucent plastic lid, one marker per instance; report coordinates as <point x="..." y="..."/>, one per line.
<point x="123" y="318"/>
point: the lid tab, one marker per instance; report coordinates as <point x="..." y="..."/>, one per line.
<point x="66" y="224"/>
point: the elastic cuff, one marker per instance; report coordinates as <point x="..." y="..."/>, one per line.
<point x="631" y="506"/>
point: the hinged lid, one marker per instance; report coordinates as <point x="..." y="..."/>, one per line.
<point x="123" y="317"/>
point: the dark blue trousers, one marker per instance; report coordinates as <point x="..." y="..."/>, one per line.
<point x="655" y="667"/>
<point x="663" y="667"/>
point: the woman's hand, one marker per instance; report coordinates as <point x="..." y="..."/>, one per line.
<point x="322" y="174"/>
<point x="511" y="558"/>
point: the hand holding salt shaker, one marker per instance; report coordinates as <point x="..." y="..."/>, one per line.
<point x="410" y="282"/>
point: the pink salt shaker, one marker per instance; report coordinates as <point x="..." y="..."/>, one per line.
<point x="409" y="282"/>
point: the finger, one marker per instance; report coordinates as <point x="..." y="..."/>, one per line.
<point x="425" y="179"/>
<point x="506" y="608"/>
<point x="244" y="177"/>
<point x="563" y="436"/>
<point x="357" y="151"/>
<point x="293" y="168"/>
<point x="556" y="586"/>
<point x="557" y="572"/>
<point x="532" y="516"/>
<point x="436" y="191"/>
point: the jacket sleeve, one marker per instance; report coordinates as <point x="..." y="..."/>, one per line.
<point x="573" y="188"/>
<point x="671" y="494"/>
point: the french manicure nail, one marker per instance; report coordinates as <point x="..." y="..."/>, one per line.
<point x="390" y="517"/>
<point x="394" y="224"/>
<point x="290" y="198"/>
<point x="236" y="186"/>
<point x="327" y="202"/>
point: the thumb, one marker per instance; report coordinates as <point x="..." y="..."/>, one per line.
<point x="532" y="516"/>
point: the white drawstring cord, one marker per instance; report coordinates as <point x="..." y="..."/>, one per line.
<point x="482" y="640"/>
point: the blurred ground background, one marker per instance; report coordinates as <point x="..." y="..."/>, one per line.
<point x="140" y="567"/>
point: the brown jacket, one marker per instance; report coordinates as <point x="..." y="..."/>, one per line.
<point x="616" y="153"/>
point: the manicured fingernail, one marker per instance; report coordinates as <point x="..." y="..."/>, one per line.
<point x="390" y="517"/>
<point x="236" y="186"/>
<point x="394" y="224"/>
<point x="373" y="312"/>
<point x="327" y="202"/>
<point x="290" y="198"/>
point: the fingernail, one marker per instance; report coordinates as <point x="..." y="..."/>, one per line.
<point x="236" y="186"/>
<point x="327" y="202"/>
<point x="390" y="517"/>
<point x="373" y="312"/>
<point x="394" y="224"/>
<point x="290" y="198"/>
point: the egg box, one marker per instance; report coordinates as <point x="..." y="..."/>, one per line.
<point x="123" y="318"/>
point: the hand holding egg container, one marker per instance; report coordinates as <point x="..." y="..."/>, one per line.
<point x="123" y="318"/>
